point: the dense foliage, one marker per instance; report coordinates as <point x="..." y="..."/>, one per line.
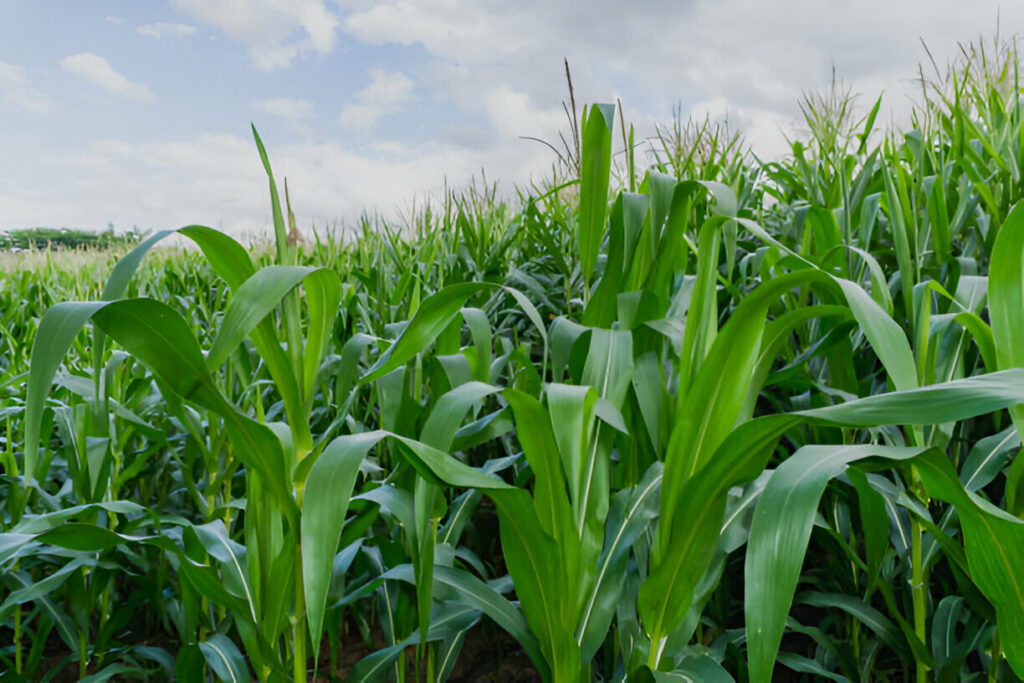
<point x="742" y="420"/>
<point x="65" y="238"/>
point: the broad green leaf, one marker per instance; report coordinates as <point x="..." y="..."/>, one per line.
<point x="124" y="269"/>
<point x="431" y="318"/>
<point x="43" y="587"/>
<point x="987" y="458"/>
<point x="994" y="542"/>
<point x="806" y="665"/>
<point x="864" y="613"/>
<point x="322" y="290"/>
<point x="41" y="522"/>
<point x="595" y="170"/>
<point x="631" y="512"/>
<point x="224" y="658"/>
<point x="256" y="298"/>
<point x="702" y="315"/>
<point x="156" y="335"/>
<point x="57" y="330"/>
<point x="228" y="258"/>
<point x="535" y="433"/>
<point x="571" y="410"/>
<point x="325" y="504"/>
<point x="159" y="337"/>
<point x="779" y="536"/>
<point x="440" y="428"/>
<point x="121" y="670"/>
<point x="439" y="467"/>
<point x="480" y="332"/>
<point x="933" y="404"/>
<point x="84" y="537"/>
<point x="535" y="563"/>
<point x="434" y="314"/>
<point x="231" y="555"/>
<point x="1006" y="312"/>
<point x="667" y="594"/>
<point x="887" y="338"/>
<point x="709" y="411"/>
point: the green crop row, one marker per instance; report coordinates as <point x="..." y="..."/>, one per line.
<point x="732" y="421"/>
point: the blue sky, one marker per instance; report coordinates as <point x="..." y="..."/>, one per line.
<point x="137" y="113"/>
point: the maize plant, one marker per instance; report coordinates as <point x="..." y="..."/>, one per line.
<point x="712" y="418"/>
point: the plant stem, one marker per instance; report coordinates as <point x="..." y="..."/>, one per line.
<point x="917" y="590"/>
<point x="993" y="666"/>
<point x="299" y="628"/>
<point x="82" y="650"/>
<point x="18" y="667"/>
<point x="657" y="644"/>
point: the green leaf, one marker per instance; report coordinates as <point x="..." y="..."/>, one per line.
<point x="253" y="301"/>
<point x="325" y="504"/>
<point x="987" y="458"/>
<point x="456" y="585"/>
<point x="232" y="558"/>
<point x="431" y="318"/>
<point x="224" y="658"/>
<point x="595" y="171"/>
<point x="887" y="338"/>
<point x="439" y="467"/>
<point x="536" y="564"/>
<point x="121" y="670"/>
<point x="1006" y="312"/>
<point x="156" y="335"/>
<point x="450" y="410"/>
<point x="228" y="258"/>
<point x="39" y="589"/>
<point x="632" y="511"/>
<point x="667" y="594"/>
<point x="446" y="620"/>
<point x="280" y="236"/>
<point x="535" y="433"/>
<point x="994" y="542"/>
<point x="322" y="288"/>
<point x="780" y="533"/>
<point x="877" y="622"/>
<point x="933" y="404"/>
<point x="710" y="408"/>
<point x="57" y="330"/>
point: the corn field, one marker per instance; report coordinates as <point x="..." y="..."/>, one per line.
<point x="714" y="419"/>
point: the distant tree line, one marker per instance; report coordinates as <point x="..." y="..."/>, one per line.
<point x="65" y="238"/>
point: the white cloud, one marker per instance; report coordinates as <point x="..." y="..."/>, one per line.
<point x="161" y="29"/>
<point x="115" y="20"/>
<point x="295" y="112"/>
<point x="17" y="89"/>
<point x="513" y="113"/>
<point x="387" y="92"/>
<point x="450" y="29"/>
<point x="482" y="73"/>
<point x="97" y="70"/>
<point x="662" y="53"/>
<point x="275" y="31"/>
<point x="217" y="180"/>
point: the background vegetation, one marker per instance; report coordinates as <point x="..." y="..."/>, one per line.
<point x="712" y="419"/>
<point x="65" y="238"/>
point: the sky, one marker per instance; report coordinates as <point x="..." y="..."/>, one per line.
<point x="137" y="114"/>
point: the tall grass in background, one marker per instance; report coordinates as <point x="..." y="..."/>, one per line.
<point x="708" y="419"/>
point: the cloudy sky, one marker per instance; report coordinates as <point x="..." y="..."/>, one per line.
<point x="137" y="113"/>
